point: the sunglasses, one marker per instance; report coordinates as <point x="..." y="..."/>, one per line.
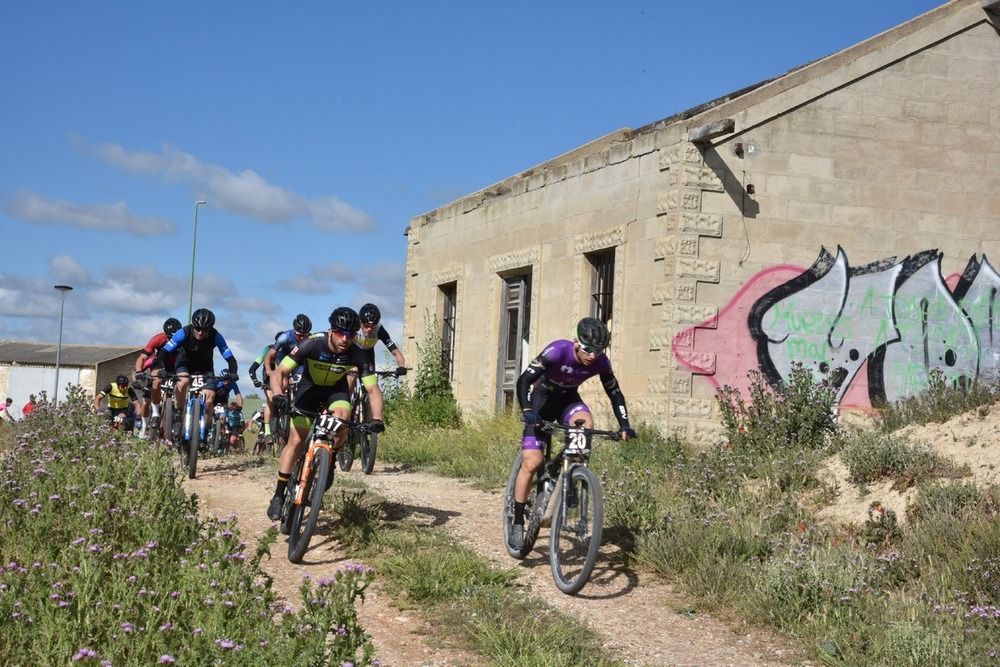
<point x="199" y="329"/>
<point x="591" y="350"/>
<point x="345" y="334"/>
<point x="301" y="336"/>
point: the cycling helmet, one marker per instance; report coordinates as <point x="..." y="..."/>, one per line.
<point x="302" y="324"/>
<point x="345" y="319"/>
<point x="591" y="332"/>
<point x="370" y="314"/>
<point x="171" y="325"/>
<point x="203" y="318"/>
<point x="121" y="379"/>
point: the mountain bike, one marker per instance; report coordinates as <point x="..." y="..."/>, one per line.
<point x="358" y="439"/>
<point x="311" y="477"/>
<point x="162" y="430"/>
<point x="194" y="424"/>
<point x="567" y="496"/>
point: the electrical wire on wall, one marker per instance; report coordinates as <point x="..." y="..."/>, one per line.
<point x="746" y="190"/>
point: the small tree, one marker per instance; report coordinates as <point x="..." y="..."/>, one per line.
<point x="433" y="399"/>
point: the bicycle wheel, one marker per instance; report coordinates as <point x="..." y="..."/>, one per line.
<point x="166" y="418"/>
<point x="216" y="437"/>
<point x="530" y="526"/>
<point x="368" y="440"/>
<point x="304" y="516"/>
<point x="577" y="524"/>
<point x="345" y="455"/>
<point x="281" y="437"/>
<point x="194" y="411"/>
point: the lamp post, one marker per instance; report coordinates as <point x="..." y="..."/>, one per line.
<point x="62" y="289"/>
<point x="194" y="245"/>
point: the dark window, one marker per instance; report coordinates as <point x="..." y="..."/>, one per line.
<point x="448" y="311"/>
<point x="602" y="284"/>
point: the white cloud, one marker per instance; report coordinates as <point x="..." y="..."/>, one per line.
<point x="68" y="270"/>
<point x="30" y="206"/>
<point x="245" y="193"/>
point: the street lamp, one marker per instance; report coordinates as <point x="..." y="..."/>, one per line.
<point x="62" y="289"/>
<point x="194" y="245"/>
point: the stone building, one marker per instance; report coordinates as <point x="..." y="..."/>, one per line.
<point x="838" y="216"/>
<point x="30" y="368"/>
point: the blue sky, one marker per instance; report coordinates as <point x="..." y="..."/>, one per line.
<point x="315" y="131"/>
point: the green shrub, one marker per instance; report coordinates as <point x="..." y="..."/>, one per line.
<point x="939" y="401"/>
<point x="871" y="455"/>
<point x="796" y="415"/>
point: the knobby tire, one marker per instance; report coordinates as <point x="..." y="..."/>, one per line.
<point x="530" y="527"/>
<point x="166" y="417"/>
<point x="194" y="410"/>
<point x="304" y="518"/>
<point x="369" y="440"/>
<point x="577" y="525"/>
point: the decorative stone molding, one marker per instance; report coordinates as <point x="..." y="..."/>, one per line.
<point x="708" y="271"/>
<point x="601" y="240"/>
<point x="703" y="224"/>
<point x="513" y="260"/>
<point x="447" y="275"/>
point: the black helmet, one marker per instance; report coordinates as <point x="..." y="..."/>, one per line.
<point x="345" y="319"/>
<point x="203" y="318"/>
<point x="370" y="314"/>
<point x="592" y="333"/>
<point x="302" y="324"/>
<point x="171" y="325"/>
<point x="121" y="379"/>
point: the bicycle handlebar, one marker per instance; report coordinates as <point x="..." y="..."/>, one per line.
<point x="552" y="427"/>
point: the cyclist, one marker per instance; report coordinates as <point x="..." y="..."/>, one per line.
<point x="151" y="396"/>
<point x="372" y="332"/>
<point x="264" y="386"/>
<point x="325" y="360"/>
<point x="119" y="396"/>
<point x="223" y="388"/>
<point x="235" y="423"/>
<point x="285" y="342"/>
<point x="553" y="378"/>
<point x="194" y="345"/>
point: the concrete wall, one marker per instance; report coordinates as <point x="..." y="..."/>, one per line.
<point x="875" y="177"/>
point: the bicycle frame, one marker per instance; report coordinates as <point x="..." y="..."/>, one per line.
<point x="321" y="435"/>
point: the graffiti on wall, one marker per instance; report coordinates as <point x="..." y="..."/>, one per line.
<point x="873" y="332"/>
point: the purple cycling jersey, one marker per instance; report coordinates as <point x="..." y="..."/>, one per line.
<point x="562" y="371"/>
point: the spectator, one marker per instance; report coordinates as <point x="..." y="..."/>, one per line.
<point x="29" y="407"/>
<point x="5" y="410"/>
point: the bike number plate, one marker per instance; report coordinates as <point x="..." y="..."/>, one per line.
<point x="326" y="423"/>
<point x="576" y="442"/>
<point x="197" y="382"/>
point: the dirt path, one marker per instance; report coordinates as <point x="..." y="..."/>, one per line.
<point x="641" y="620"/>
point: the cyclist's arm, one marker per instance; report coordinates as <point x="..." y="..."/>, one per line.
<point x="614" y="392"/>
<point x="101" y="394"/>
<point x="227" y="354"/>
<point x="531" y="374"/>
<point x="140" y="363"/>
<point x="173" y="343"/>
<point x="383" y="336"/>
<point x="281" y="371"/>
<point x="269" y="360"/>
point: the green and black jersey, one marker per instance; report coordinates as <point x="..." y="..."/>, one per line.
<point x="325" y="368"/>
